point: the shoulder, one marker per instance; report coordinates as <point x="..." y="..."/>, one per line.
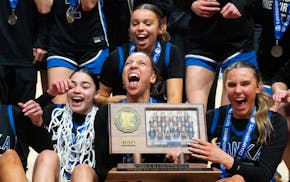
<point x="101" y="119"/>
<point x="218" y="112"/>
<point x="103" y="108"/>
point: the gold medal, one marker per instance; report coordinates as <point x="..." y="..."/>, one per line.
<point x="70" y="17"/>
<point x="12" y="19"/>
<point x="277" y="50"/>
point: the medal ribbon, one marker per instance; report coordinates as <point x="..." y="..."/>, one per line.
<point x="13" y="4"/>
<point x="73" y="3"/>
<point x="155" y="55"/>
<point x="241" y="152"/>
<point x="280" y="27"/>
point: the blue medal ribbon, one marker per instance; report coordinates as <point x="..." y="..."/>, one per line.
<point x="280" y="27"/>
<point x="73" y="3"/>
<point x="13" y="4"/>
<point x="155" y="55"/>
<point x="241" y="152"/>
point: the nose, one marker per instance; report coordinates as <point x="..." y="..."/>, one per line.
<point x="238" y="89"/>
<point x="77" y="89"/>
<point x="140" y="27"/>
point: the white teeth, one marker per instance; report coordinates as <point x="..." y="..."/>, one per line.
<point x="133" y="75"/>
<point x="76" y="98"/>
<point x="141" y="36"/>
<point x="239" y="99"/>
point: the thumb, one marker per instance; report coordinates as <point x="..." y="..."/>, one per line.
<point x="213" y="141"/>
<point x="21" y="105"/>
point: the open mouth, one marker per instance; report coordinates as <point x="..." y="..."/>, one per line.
<point x="241" y="101"/>
<point x="142" y="37"/>
<point x="77" y="100"/>
<point x="133" y="77"/>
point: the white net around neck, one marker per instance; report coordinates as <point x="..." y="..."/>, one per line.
<point x="72" y="148"/>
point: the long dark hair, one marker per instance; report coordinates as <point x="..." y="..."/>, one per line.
<point x="89" y="73"/>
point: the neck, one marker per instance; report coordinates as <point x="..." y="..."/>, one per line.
<point x="138" y="99"/>
<point x="149" y="50"/>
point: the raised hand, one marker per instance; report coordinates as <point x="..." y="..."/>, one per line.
<point x="59" y="87"/>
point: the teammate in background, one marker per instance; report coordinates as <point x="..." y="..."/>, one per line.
<point x="219" y="34"/>
<point x="146" y="33"/>
<point x="246" y="140"/>
<point x="16" y="133"/>
<point x="281" y="96"/>
<point x="118" y="13"/>
<point x="77" y="38"/>
<point x="78" y="142"/>
<point x="23" y="44"/>
<point x="274" y="47"/>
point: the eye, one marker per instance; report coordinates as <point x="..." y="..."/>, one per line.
<point x="128" y="63"/>
<point x="148" y="22"/>
<point x="231" y="85"/>
<point x="142" y="62"/>
<point x="246" y="83"/>
<point x="134" y="23"/>
<point x="86" y="85"/>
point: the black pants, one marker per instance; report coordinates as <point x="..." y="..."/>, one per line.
<point x="17" y="84"/>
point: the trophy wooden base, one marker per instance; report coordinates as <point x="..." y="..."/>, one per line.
<point x="199" y="174"/>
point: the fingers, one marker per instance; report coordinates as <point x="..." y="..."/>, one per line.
<point x="30" y="108"/>
<point x="173" y="155"/>
<point x="230" y="11"/>
<point x="60" y="87"/>
<point x="205" y="8"/>
<point x="39" y="55"/>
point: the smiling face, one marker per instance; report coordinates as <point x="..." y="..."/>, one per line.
<point x="241" y="87"/>
<point x="138" y="76"/>
<point x="81" y="96"/>
<point x="144" y="29"/>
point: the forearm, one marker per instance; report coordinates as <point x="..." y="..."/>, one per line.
<point x="250" y="172"/>
<point x="44" y="6"/>
<point x="278" y="86"/>
<point x="174" y="90"/>
<point x="44" y="99"/>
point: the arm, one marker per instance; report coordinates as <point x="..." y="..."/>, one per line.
<point x="40" y="44"/>
<point x="105" y="97"/>
<point x="174" y="76"/>
<point x="270" y="157"/>
<point x="234" y="178"/>
<point x="88" y="5"/>
<point x="44" y="6"/>
<point x="174" y="90"/>
<point x="32" y="109"/>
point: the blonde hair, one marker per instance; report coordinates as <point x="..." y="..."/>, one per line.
<point x="263" y="101"/>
